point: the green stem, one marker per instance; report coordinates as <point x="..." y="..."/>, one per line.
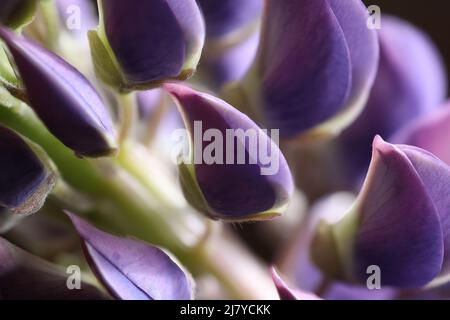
<point x="128" y="116"/>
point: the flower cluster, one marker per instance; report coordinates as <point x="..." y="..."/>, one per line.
<point x="92" y="95"/>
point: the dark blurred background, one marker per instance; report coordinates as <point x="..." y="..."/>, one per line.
<point x="432" y="16"/>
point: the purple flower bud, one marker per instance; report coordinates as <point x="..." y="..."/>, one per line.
<point x="316" y="78"/>
<point x="234" y="170"/>
<point x="141" y="43"/>
<point x="27" y="277"/>
<point x="399" y="222"/>
<point x="17" y="13"/>
<point x="63" y="98"/>
<point x="27" y="175"/>
<point x="429" y="132"/>
<point x="131" y="269"/>
<point x="226" y="16"/>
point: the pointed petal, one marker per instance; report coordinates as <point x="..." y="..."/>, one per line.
<point x="233" y="191"/>
<point x="63" y="98"/>
<point x="286" y="293"/>
<point x="400" y="229"/>
<point x="27" y="277"/>
<point x="132" y="269"/>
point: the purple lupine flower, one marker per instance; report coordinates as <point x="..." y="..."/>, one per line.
<point x="27" y="176"/>
<point x="399" y="222"/>
<point x="411" y="82"/>
<point x="24" y="276"/>
<point x="151" y="41"/>
<point x="318" y="77"/>
<point x="232" y="184"/>
<point x="78" y="16"/>
<point x="17" y="13"/>
<point x="429" y="132"/>
<point x="227" y="16"/>
<point x="63" y="98"/>
<point x="131" y="269"/>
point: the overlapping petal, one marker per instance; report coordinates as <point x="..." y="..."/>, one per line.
<point x="150" y="40"/>
<point x="400" y="228"/>
<point x="318" y="77"/>
<point x="226" y="188"/>
<point x="399" y="223"/>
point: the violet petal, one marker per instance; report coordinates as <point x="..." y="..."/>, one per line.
<point x="233" y="191"/>
<point x="63" y="98"/>
<point x="286" y="293"/>
<point x="400" y="229"/>
<point x="153" y="40"/>
<point x="435" y="176"/>
<point x="299" y="70"/>
<point x="132" y="269"/>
